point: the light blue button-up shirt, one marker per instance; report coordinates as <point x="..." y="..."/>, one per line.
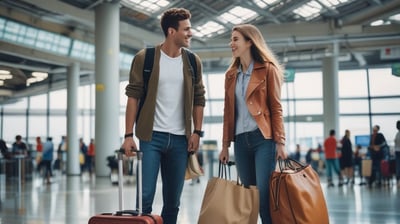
<point x="244" y="120"/>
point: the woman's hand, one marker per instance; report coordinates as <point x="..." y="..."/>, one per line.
<point x="280" y="151"/>
<point x="224" y="155"/>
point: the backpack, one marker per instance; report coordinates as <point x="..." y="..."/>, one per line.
<point x="148" y="66"/>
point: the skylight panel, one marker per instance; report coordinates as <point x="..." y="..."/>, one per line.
<point x="82" y="50"/>
<point x="237" y="15"/>
<point x="333" y="3"/>
<point x="309" y="10"/>
<point x="264" y="3"/>
<point x="150" y="6"/>
<point x="208" y="29"/>
<point x="395" y="17"/>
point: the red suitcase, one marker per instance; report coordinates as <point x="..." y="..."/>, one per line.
<point x="385" y="169"/>
<point x="127" y="216"/>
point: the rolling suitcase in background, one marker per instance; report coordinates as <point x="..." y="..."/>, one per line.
<point x="366" y="167"/>
<point x="127" y="216"/>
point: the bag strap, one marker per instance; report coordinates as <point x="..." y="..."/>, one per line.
<point x="284" y="164"/>
<point x="147" y="68"/>
<point x="192" y="63"/>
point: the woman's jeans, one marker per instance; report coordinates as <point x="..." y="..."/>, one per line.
<point x="255" y="161"/>
<point x="168" y="152"/>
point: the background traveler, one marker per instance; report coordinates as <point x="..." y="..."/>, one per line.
<point x="331" y="159"/>
<point x="347" y="157"/>
<point x="47" y="159"/>
<point x="397" y="152"/>
<point x="377" y="150"/>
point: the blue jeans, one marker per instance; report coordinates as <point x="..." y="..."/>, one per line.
<point x="332" y="165"/>
<point x="255" y="161"/>
<point x="169" y="152"/>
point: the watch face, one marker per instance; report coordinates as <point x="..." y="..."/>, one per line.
<point x="200" y="133"/>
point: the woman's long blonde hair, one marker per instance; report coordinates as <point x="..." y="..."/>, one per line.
<point x="259" y="50"/>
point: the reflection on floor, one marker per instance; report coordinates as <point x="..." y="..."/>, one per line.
<point x="75" y="199"/>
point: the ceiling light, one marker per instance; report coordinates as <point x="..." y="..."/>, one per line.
<point x="395" y="17"/>
<point x="1" y="82"/>
<point x="5" y="76"/>
<point x="30" y="81"/>
<point x="238" y="15"/>
<point x="40" y="75"/>
<point x="4" y="72"/>
<point x="264" y="3"/>
<point x="377" y="23"/>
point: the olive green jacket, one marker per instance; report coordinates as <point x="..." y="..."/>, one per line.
<point x="194" y="93"/>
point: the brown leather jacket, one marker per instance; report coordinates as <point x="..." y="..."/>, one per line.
<point x="263" y="98"/>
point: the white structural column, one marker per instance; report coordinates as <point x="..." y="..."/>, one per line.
<point x="73" y="166"/>
<point x="107" y="84"/>
<point x="330" y="91"/>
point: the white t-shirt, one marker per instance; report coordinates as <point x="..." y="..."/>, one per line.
<point x="169" y="114"/>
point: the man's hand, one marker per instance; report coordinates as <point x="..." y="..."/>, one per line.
<point x="128" y="145"/>
<point x="193" y="145"/>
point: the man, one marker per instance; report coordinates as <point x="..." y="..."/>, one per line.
<point x="169" y="124"/>
<point x="19" y="147"/>
<point x="47" y="158"/>
<point x="378" y="151"/>
<point x="331" y="157"/>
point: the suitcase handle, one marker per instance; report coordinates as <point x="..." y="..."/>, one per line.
<point x="134" y="213"/>
<point x="139" y="154"/>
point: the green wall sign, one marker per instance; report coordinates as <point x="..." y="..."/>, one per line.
<point x="396" y="69"/>
<point x="289" y="75"/>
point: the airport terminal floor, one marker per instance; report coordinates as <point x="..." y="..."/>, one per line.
<point x="74" y="199"/>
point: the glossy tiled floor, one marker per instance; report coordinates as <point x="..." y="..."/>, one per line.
<point x="75" y="199"/>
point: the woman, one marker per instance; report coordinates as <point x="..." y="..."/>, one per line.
<point x="253" y="112"/>
<point x="347" y="157"/>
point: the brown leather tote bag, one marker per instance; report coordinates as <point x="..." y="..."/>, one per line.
<point x="296" y="195"/>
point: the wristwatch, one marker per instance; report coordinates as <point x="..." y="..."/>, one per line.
<point x="199" y="133"/>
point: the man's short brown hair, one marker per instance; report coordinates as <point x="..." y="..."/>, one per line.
<point x="171" y="18"/>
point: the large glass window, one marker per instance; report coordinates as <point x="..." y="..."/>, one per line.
<point x="308" y="85"/>
<point x="386" y="105"/>
<point x="58" y="127"/>
<point x="37" y="127"/>
<point x="215" y="86"/>
<point x="305" y="107"/>
<point x="58" y="99"/>
<point x="20" y="104"/>
<point x="38" y="102"/>
<point x="86" y="97"/>
<point x="353" y="83"/>
<point x="14" y="125"/>
<point x="383" y="83"/>
<point x="357" y="106"/>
